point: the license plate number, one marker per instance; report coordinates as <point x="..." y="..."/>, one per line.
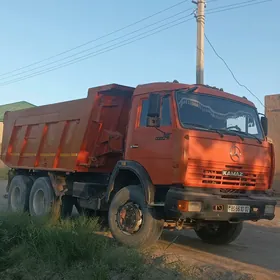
<point x="238" y="208"/>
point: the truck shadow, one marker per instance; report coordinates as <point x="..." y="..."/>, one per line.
<point x="257" y="245"/>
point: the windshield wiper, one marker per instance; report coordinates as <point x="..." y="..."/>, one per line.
<point x="231" y="132"/>
<point x="205" y="128"/>
<point x="250" y="135"/>
<point x="237" y="133"/>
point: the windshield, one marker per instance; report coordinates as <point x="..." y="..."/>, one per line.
<point x="209" y="112"/>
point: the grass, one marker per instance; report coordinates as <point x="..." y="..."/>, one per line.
<point x="36" y="249"/>
<point x="32" y="248"/>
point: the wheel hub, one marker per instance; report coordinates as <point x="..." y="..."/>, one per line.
<point x="129" y="218"/>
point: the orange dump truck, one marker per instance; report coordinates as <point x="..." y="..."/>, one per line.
<point x="161" y="155"/>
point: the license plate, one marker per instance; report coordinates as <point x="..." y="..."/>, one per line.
<point x="238" y="208"/>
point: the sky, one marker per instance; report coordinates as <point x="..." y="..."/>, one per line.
<point x="247" y="38"/>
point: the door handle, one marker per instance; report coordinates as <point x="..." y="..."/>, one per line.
<point x="134" y="146"/>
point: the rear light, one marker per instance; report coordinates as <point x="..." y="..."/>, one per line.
<point x="189" y="206"/>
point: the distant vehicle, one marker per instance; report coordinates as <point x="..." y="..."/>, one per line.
<point x="161" y="155"/>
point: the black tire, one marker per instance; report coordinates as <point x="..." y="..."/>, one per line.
<point x="18" y="195"/>
<point x="151" y="227"/>
<point x="225" y="233"/>
<point x="41" y="197"/>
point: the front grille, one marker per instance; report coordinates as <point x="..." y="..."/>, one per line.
<point x="217" y="178"/>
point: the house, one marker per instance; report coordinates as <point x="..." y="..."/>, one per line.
<point x="11" y="107"/>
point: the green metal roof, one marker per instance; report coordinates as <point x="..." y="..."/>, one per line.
<point x="14" y="107"/>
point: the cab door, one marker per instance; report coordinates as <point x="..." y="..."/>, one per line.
<point x="149" y="146"/>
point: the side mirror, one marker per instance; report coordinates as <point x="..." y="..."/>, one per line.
<point x="153" y="117"/>
<point x="264" y="125"/>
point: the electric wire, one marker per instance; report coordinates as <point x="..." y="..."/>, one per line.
<point x="97" y="39"/>
<point x="97" y="46"/>
<point x="105" y="50"/>
<point x="120" y="44"/>
<point x="231" y="71"/>
<point x="233" y="8"/>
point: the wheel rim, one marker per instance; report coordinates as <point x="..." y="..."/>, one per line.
<point x="15" y="199"/>
<point x="129" y="218"/>
<point x="39" y="203"/>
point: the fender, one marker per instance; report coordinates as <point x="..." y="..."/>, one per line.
<point x="140" y="172"/>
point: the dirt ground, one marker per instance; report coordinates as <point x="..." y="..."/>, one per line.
<point x="255" y="252"/>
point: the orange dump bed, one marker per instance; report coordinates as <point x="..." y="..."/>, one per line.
<point x="80" y="135"/>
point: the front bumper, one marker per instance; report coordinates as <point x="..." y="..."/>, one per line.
<point x="210" y="201"/>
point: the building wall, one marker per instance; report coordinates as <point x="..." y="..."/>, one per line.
<point x="1" y="134"/>
<point x="272" y="111"/>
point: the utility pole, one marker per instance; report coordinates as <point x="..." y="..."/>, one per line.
<point x="200" y="19"/>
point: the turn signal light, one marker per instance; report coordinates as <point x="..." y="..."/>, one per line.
<point x="189" y="206"/>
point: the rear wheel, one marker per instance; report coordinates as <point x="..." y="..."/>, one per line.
<point x="219" y="233"/>
<point x="131" y="221"/>
<point x="41" y="197"/>
<point x="18" y="196"/>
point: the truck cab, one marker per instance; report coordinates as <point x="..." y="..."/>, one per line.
<point x="207" y="154"/>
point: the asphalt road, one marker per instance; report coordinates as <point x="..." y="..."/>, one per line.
<point x="256" y="251"/>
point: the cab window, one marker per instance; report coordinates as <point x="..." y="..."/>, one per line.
<point x="165" y="119"/>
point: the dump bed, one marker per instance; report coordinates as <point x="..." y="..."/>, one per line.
<point x="81" y="135"/>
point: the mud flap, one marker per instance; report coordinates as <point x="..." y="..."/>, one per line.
<point x="58" y="184"/>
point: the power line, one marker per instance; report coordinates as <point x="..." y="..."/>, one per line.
<point x="105" y="50"/>
<point x="114" y="46"/>
<point x="96" y="39"/>
<point x="233" y="75"/>
<point x="237" y="7"/>
<point x="95" y="47"/>
<point x="235" y="4"/>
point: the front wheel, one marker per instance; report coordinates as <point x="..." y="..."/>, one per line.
<point x="131" y="222"/>
<point x="219" y="233"/>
